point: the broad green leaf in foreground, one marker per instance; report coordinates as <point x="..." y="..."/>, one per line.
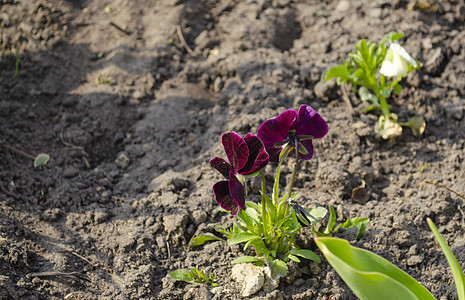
<point x="368" y="275"/>
<point x="457" y="272"/>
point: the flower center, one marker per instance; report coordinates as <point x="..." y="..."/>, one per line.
<point x="293" y="139"/>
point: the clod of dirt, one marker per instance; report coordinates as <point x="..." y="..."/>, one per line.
<point x="173" y="223"/>
<point x="169" y="182"/>
<point x="251" y="278"/>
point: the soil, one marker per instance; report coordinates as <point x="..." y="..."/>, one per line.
<point x="129" y="99"/>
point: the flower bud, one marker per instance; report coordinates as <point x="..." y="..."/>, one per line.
<point x="388" y="126"/>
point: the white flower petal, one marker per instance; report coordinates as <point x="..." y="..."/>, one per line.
<point x="403" y="53"/>
<point x="394" y="65"/>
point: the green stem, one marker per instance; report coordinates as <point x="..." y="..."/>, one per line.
<point x="384" y="105"/>
<point x="264" y="217"/>
<point x="294" y="173"/>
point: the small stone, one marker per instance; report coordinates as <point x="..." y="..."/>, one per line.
<point x="138" y="95"/>
<point x="70" y="172"/>
<point x="199" y="216"/>
<point x="314" y="268"/>
<point x="250" y="278"/>
<point x="101" y="216"/>
<point x="217" y="84"/>
<point x="414" y="260"/>
<point x="122" y="160"/>
<point x="362" y="129"/>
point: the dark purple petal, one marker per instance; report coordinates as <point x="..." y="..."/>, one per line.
<point x="274" y="153"/>
<point x="276" y="130"/>
<point x="237" y="190"/>
<point x="221" y="165"/>
<point x="258" y="157"/>
<point x="309" y="146"/>
<point x="236" y="150"/>
<point x="309" y="122"/>
<point x="224" y="198"/>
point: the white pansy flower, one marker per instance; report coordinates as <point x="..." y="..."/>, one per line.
<point x="396" y="61"/>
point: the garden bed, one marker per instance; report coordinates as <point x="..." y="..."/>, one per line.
<point x="130" y="98"/>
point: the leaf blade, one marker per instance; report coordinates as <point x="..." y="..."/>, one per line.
<point x="368" y="275"/>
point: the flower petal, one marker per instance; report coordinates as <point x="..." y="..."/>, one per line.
<point x="277" y="129"/>
<point x="237" y="191"/>
<point x="224" y="198"/>
<point x="221" y="165"/>
<point x="258" y="157"/>
<point x="308" y="144"/>
<point x="309" y="122"/>
<point x="273" y="153"/>
<point x="396" y="47"/>
<point x="236" y="149"/>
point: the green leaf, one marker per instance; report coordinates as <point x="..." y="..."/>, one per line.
<point x="368" y="275"/>
<point x="307" y="254"/>
<point x="252" y="213"/>
<point x="277" y="267"/>
<point x="41" y="160"/>
<point x="370" y="108"/>
<point x="276" y="185"/>
<point x="331" y="221"/>
<point x="202" y="239"/>
<point x="318" y="212"/>
<point x="359" y="223"/>
<point x="294" y="258"/>
<point x="397" y="89"/>
<point x="246" y="259"/>
<point x="183" y="275"/>
<point x="242" y="237"/>
<point x="391" y="37"/>
<point x="457" y="272"/>
<point x="244" y="217"/>
<point x="366" y="96"/>
<point x="386" y="93"/>
<point x="270" y="206"/>
<point x="253" y="205"/>
<point x="339" y="71"/>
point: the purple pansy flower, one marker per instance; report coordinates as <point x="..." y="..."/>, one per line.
<point x="246" y="156"/>
<point x="292" y="129"/>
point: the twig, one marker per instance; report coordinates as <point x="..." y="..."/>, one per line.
<point x="77" y="148"/>
<point x="120" y="29"/>
<point x="73" y="147"/>
<point x="442" y="186"/>
<point x="84" y="259"/>
<point x="86" y="161"/>
<point x="346" y="98"/>
<point x="183" y="41"/>
<point x="169" y="251"/>
<point x="72" y="275"/>
<point x="17" y="151"/>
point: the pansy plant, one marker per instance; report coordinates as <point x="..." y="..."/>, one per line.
<point x="270" y="226"/>
<point x="246" y="156"/>
<point x="377" y="71"/>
